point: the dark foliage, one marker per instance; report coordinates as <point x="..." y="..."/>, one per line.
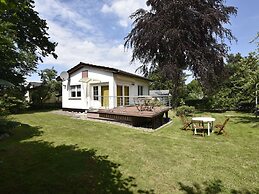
<point x="176" y="35"/>
<point x="23" y="40"/>
<point x="160" y="82"/>
<point x="12" y="100"/>
<point x="49" y="88"/>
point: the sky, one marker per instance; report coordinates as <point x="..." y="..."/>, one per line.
<point x="93" y="31"/>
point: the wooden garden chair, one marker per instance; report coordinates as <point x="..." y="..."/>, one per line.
<point x="221" y="127"/>
<point x="186" y="124"/>
<point x="198" y="128"/>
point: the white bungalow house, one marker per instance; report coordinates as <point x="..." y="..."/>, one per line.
<point x="91" y="86"/>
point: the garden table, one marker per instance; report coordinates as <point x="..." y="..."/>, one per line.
<point x="208" y="120"/>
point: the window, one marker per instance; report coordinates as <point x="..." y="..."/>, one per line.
<point x="122" y="95"/>
<point x="140" y="90"/>
<point x="75" y="91"/>
<point x="78" y="92"/>
<point x="119" y="96"/>
<point x="95" y="89"/>
<point x="126" y="95"/>
<point x="85" y="74"/>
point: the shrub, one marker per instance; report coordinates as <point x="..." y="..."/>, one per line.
<point x="11" y="104"/>
<point x="185" y="110"/>
<point x="156" y="102"/>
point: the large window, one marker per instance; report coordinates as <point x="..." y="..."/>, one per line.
<point x="95" y="88"/>
<point x="119" y="95"/>
<point x="75" y="91"/>
<point x="122" y="95"/>
<point x="126" y="95"/>
<point x="140" y="90"/>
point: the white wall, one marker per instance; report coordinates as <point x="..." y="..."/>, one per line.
<point x="74" y="103"/>
<point x="133" y="84"/>
<point x="86" y="100"/>
<point x="100" y="78"/>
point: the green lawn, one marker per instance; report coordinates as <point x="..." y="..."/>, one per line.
<point x="50" y="153"/>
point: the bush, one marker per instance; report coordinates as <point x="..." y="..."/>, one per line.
<point x="246" y="106"/>
<point x="46" y="106"/>
<point x="185" y="110"/>
<point x="11" y="104"/>
<point x="156" y="102"/>
<point x="201" y="104"/>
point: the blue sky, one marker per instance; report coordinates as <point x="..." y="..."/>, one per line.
<point x="93" y="31"/>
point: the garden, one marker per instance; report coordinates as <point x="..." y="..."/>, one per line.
<point x="53" y="153"/>
<point x="171" y="41"/>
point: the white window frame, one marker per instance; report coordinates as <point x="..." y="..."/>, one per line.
<point x="94" y="95"/>
<point x="123" y="97"/>
<point x="78" y="89"/>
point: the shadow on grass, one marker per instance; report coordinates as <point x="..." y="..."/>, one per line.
<point x="6" y="125"/>
<point x="43" y="110"/>
<point x="40" y="167"/>
<point x="212" y="187"/>
<point x="247" y="120"/>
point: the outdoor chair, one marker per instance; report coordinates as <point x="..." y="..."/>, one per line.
<point x="198" y="128"/>
<point x="221" y="127"/>
<point x="143" y="104"/>
<point x="186" y="124"/>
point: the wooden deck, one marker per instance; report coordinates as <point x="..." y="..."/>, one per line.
<point x="150" y="119"/>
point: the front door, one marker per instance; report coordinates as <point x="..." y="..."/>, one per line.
<point x="105" y="96"/>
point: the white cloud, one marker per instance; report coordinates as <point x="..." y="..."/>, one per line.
<point x="73" y="46"/>
<point x="72" y="49"/>
<point x="123" y="9"/>
<point x="55" y="10"/>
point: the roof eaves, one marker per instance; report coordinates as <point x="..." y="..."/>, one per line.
<point x="110" y="69"/>
<point x="134" y="75"/>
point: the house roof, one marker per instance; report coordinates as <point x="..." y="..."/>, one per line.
<point x="33" y="84"/>
<point x="110" y="69"/>
<point x="158" y="92"/>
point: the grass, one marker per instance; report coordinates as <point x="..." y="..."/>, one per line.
<point x="50" y="153"/>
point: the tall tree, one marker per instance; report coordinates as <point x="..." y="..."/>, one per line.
<point x="194" y="90"/>
<point x="23" y="40"/>
<point x="160" y="82"/>
<point x="174" y="35"/>
<point x="50" y="87"/>
<point x="239" y="90"/>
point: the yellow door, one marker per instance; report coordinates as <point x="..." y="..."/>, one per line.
<point x="119" y="96"/>
<point x="105" y="96"/>
<point x="126" y="94"/>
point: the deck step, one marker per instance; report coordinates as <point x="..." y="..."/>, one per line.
<point x="96" y="116"/>
<point x="93" y="115"/>
<point x="92" y="110"/>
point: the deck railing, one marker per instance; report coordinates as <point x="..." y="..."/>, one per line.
<point x="122" y="101"/>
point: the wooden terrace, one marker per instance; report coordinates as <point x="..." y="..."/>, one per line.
<point x="152" y="118"/>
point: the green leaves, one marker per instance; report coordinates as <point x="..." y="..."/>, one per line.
<point x="23" y="40"/>
<point x="239" y="90"/>
<point x="50" y="88"/>
<point x="3" y="1"/>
